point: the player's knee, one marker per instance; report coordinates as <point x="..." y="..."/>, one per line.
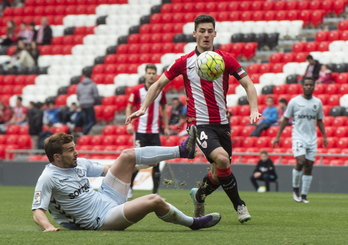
<point x="128" y="154"/>
<point x="222" y="161"/>
<point x="156" y="200"/>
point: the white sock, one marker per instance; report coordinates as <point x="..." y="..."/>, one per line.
<point x="296" y="175"/>
<point x="306" y="184"/>
<point x="177" y="217"/>
<point x="153" y="154"/>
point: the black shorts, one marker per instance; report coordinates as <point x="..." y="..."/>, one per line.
<point x="142" y="140"/>
<point x="214" y="136"/>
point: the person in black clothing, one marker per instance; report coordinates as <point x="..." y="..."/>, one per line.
<point x="178" y="109"/>
<point x="264" y="171"/>
<point x="312" y="69"/>
<point x="35" y="116"/>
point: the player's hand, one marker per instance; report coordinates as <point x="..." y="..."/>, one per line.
<point x="275" y="142"/>
<point x="130" y="128"/>
<point x="52" y="229"/>
<point x="254" y="117"/>
<point x="325" y="142"/>
<point x="136" y="114"/>
<point x="167" y="132"/>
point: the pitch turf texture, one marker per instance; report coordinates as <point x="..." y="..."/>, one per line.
<point x="276" y="219"/>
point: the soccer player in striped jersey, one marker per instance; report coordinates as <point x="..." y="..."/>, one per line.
<point x="146" y="129"/>
<point x="65" y="191"/>
<point x="207" y="110"/>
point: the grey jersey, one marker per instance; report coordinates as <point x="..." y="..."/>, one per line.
<point x="69" y="197"/>
<point x="305" y="114"/>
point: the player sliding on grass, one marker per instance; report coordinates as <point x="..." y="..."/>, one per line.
<point x="206" y="108"/>
<point x="64" y="190"/>
<point x="307" y="112"/>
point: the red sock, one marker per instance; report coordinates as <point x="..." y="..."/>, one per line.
<point x="210" y="176"/>
<point x="223" y="172"/>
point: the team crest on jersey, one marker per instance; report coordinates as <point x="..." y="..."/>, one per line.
<point x="80" y="172"/>
<point x="204" y="144"/>
<point x="37" y="197"/>
<point x="315" y="107"/>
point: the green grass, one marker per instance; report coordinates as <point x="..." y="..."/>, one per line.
<point x="277" y="219"/>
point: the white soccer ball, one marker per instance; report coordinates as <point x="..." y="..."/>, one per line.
<point x="210" y="65"/>
<point x="261" y="189"/>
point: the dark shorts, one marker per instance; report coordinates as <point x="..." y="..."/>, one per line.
<point x="142" y="140"/>
<point x="214" y="136"/>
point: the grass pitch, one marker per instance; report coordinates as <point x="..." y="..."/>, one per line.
<point x="276" y="219"/>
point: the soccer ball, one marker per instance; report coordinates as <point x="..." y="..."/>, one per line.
<point x="209" y="65"/>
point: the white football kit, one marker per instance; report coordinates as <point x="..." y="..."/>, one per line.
<point x="305" y="114"/>
<point x="71" y="200"/>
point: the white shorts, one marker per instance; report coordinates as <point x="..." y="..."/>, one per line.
<point x="299" y="148"/>
<point x="116" y="190"/>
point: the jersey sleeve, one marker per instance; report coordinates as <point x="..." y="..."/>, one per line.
<point x="233" y="67"/>
<point x="94" y="169"/>
<point x="43" y="192"/>
<point x="175" y="69"/>
<point x="289" y="110"/>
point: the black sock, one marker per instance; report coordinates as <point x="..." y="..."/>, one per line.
<point x="156" y="176"/>
<point x="229" y="184"/>
<point x="133" y="178"/>
<point x="207" y="187"/>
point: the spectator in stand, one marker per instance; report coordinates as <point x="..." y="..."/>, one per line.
<point x="33" y="29"/>
<point x="35" y="122"/>
<point x="44" y="34"/>
<point x="34" y="51"/>
<point x="5" y="116"/>
<point x="73" y="117"/>
<point x="325" y="75"/>
<point x="179" y="129"/>
<point x="269" y="117"/>
<point x="20" y="58"/>
<point x="264" y="171"/>
<point x="19" y="113"/>
<point x="177" y="110"/>
<point x="88" y="97"/>
<point x="51" y="114"/>
<point x="10" y="37"/>
<point x="45" y="134"/>
<point x="25" y="34"/>
<point x="282" y="104"/>
<point x="312" y="69"/>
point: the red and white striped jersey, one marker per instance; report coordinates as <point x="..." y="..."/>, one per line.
<point x="206" y="100"/>
<point x="150" y="121"/>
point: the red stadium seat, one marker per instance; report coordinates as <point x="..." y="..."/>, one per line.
<point x="333" y="100"/>
<point x="342" y="78"/>
<point x="268" y="5"/>
<point x="249" y="141"/>
<point x="343" y="25"/>
<point x="338" y="7"/>
<point x="304" y="15"/>
<point x="269" y="15"/>
<point x="324" y="46"/>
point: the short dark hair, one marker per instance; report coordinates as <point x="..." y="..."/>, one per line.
<point x="309" y="57"/>
<point x="307" y="78"/>
<point x="19" y="98"/>
<point x="204" y="18"/>
<point x="282" y="100"/>
<point x="54" y="144"/>
<point x="270" y="97"/>
<point x="264" y="152"/>
<point x="150" y="66"/>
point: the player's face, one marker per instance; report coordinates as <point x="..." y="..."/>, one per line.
<point x="68" y="159"/>
<point x="308" y="87"/>
<point x="150" y="76"/>
<point x="205" y="35"/>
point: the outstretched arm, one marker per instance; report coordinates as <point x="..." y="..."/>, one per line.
<point x="151" y="95"/>
<point x="252" y="98"/>
<point x="40" y="218"/>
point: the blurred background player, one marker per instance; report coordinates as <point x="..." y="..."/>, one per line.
<point x="264" y="171"/>
<point x="307" y="112"/>
<point x="206" y="108"/>
<point x="146" y="129"/>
